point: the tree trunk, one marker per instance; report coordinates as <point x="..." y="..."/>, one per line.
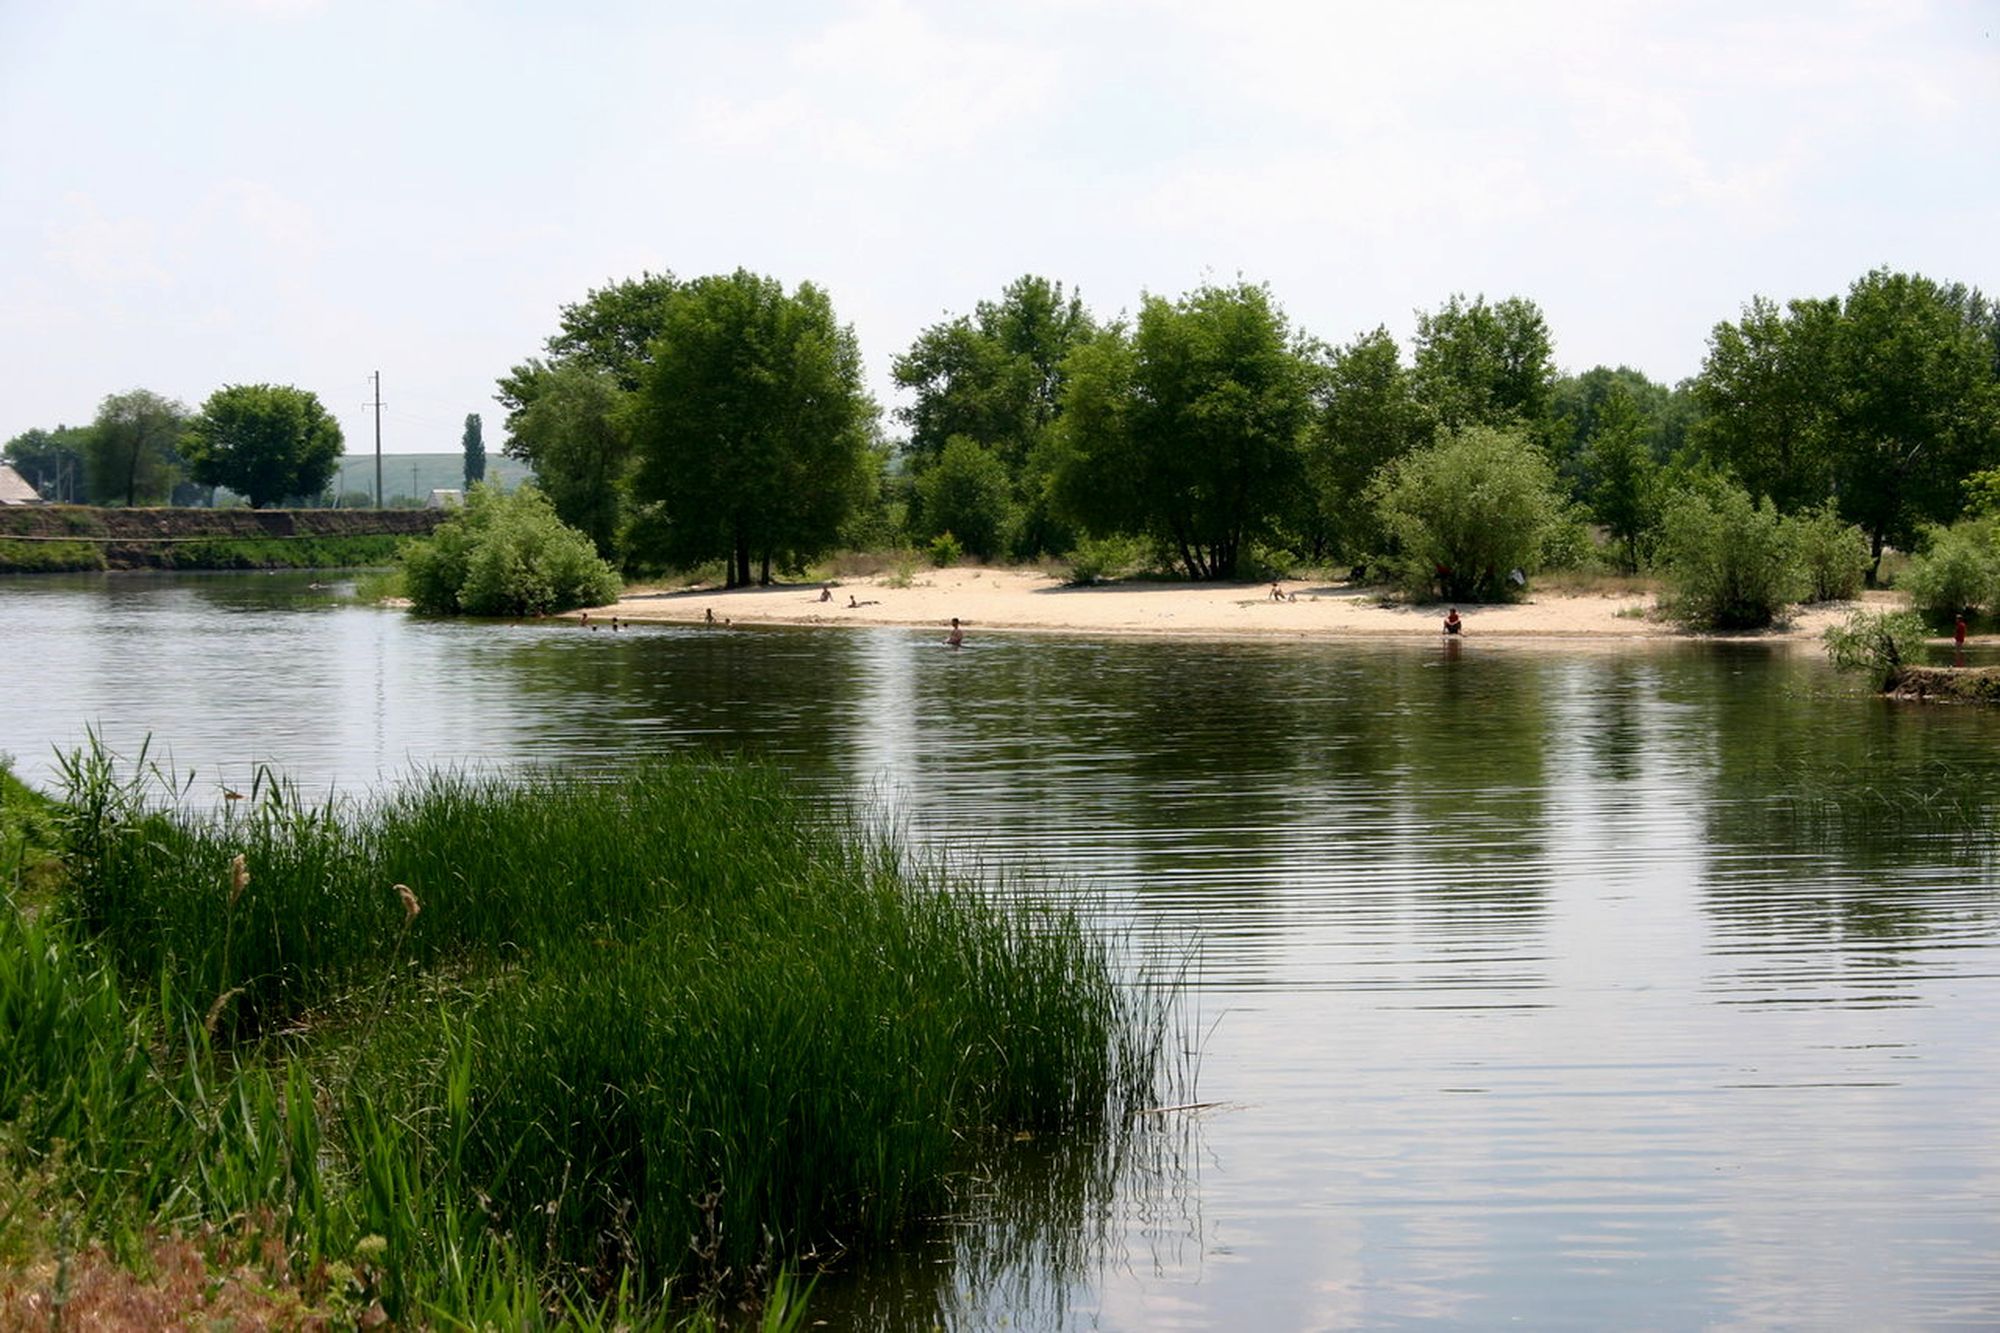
<point x="764" y="571"/>
<point x="1875" y="551"/>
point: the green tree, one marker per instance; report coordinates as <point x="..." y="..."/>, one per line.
<point x="997" y="378"/>
<point x="474" y="443"/>
<point x="590" y="370"/>
<point x="130" y="455"/>
<point x="52" y="461"/>
<point x="1883" y="402"/>
<point x="1621" y="468"/>
<point x="571" y="431"/>
<point x="752" y="427"/>
<point x="967" y="494"/>
<point x="1916" y="407"/>
<point x="505" y="555"/>
<point x="1485" y="365"/>
<point x="1958" y="570"/>
<point x="1367" y="416"/>
<point x="1727" y="557"/>
<point x="1190" y="430"/>
<point x="1832" y="556"/>
<point x="1464" y="513"/>
<point x="1664" y="415"/>
<point x="264" y="441"/>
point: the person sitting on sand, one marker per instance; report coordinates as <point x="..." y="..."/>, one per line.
<point x="1452" y="624"/>
<point x="956" y="638"/>
<point x="1277" y="591"/>
<point x="708" y="614"/>
<point x="826" y="593"/>
<point x="850" y="600"/>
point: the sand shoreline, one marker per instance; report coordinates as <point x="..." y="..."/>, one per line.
<point x="1028" y="601"/>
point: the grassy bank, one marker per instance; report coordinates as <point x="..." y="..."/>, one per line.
<point x="486" y="1050"/>
<point x="42" y="557"/>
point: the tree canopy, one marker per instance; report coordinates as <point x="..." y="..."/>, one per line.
<point x="1367" y="415"/>
<point x="473" y="442"/>
<point x="565" y="408"/>
<point x="1188" y="430"/>
<point x="1886" y="400"/>
<point x="264" y="441"/>
<point x="751" y="427"/>
<point x="130" y="455"/>
<point x="1467" y="511"/>
<point x="1485" y="365"/>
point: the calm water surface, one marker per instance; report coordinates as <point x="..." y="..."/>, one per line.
<point x="1634" y="986"/>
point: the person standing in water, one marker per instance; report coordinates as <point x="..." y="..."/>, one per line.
<point x="956" y="638"/>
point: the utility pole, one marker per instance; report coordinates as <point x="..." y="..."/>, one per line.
<point x="379" y="437"/>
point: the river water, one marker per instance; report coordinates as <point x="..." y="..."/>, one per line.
<point x="1577" y="986"/>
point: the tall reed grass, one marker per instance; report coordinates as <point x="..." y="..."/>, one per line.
<point x="545" y="1045"/>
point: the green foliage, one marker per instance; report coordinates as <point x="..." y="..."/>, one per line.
<point x="569" y="428"/>
<point x="1485" y="365"/>
<point x="1622" y="476"/>
<point x="264" y="441"/>
<point x="1832" y="556"/>
<point x="1887" y="400"/>
<point x="130" y="454"/>
<point x="1464" y="513"/>
<point x="1367" y="416"/>
<point x="567" y="1037"/>
<point x="1880" y="643"/>
<point x="1959" y="570"/>
<point x="52" y="461"/>
<point x="48" y="557"/>
<point x="27" y="832"/>
<point x="966" y="492"/>
<point x="1096" y="559"/>
<point x="1578" y="404"/>
<point x="752" y="427"/>
<point x="283" y="552"/>
<point x="1982" y="494"/>
<point x="506" y="555"/>
<point x="945" y="551"/>
<point x="1189" y="430"/>
<point x="473" y="442"/>
<point x="1566" y="542"/>
<point x="1727" y="558"/>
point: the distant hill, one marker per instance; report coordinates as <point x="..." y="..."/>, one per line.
<point x="417" y="475"/>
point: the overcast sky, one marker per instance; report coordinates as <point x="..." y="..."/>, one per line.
<point x="209" y="192"/>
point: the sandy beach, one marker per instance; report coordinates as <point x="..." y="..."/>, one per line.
<point x="1022" y="600"/>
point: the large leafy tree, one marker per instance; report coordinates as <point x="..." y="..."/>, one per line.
<point x="265" y="441"/>
<point x="1189" y="429"/>
<point x="591" y="366"/>
<point x="1367" y="415"/>
<point x="995" y="378"/>
<point x="1481" y="364"/>
<point x="1577" y="402"/>
<point x="130" y="455"/>
<point x="752" y="428"/>
<point x="1885" y="401"/>
<point x="1763" y="391"/>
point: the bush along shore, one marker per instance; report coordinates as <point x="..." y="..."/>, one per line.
<point x="531" y="1050"/>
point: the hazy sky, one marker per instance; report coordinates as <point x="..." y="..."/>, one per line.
<point x="224" y="191"/>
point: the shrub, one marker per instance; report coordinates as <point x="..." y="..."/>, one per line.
<point x="1466" y="512"/>
<point x="1958" y="572"/>
<point x="1832" y="556"/>
<point x="1098" y="558"/>
<point x="1875" y="642"/>
<point x="945" y="550"/>
<point x="1567" y="543"/>
<point x="506" y="555"/>
<point x="1726" y="557"/>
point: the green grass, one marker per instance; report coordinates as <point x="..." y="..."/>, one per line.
<point x="51" y="557"/>
<point x="596" y="1049"/>
<point x="284" y="552"/>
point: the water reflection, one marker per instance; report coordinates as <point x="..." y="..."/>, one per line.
<point x="1641" y="985"/>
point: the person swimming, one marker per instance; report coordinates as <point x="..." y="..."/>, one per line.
<point x="956" y="638"/>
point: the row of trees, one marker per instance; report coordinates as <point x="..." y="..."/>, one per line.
<point x="266" y="442"/>
<point x="724" y="419"/>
